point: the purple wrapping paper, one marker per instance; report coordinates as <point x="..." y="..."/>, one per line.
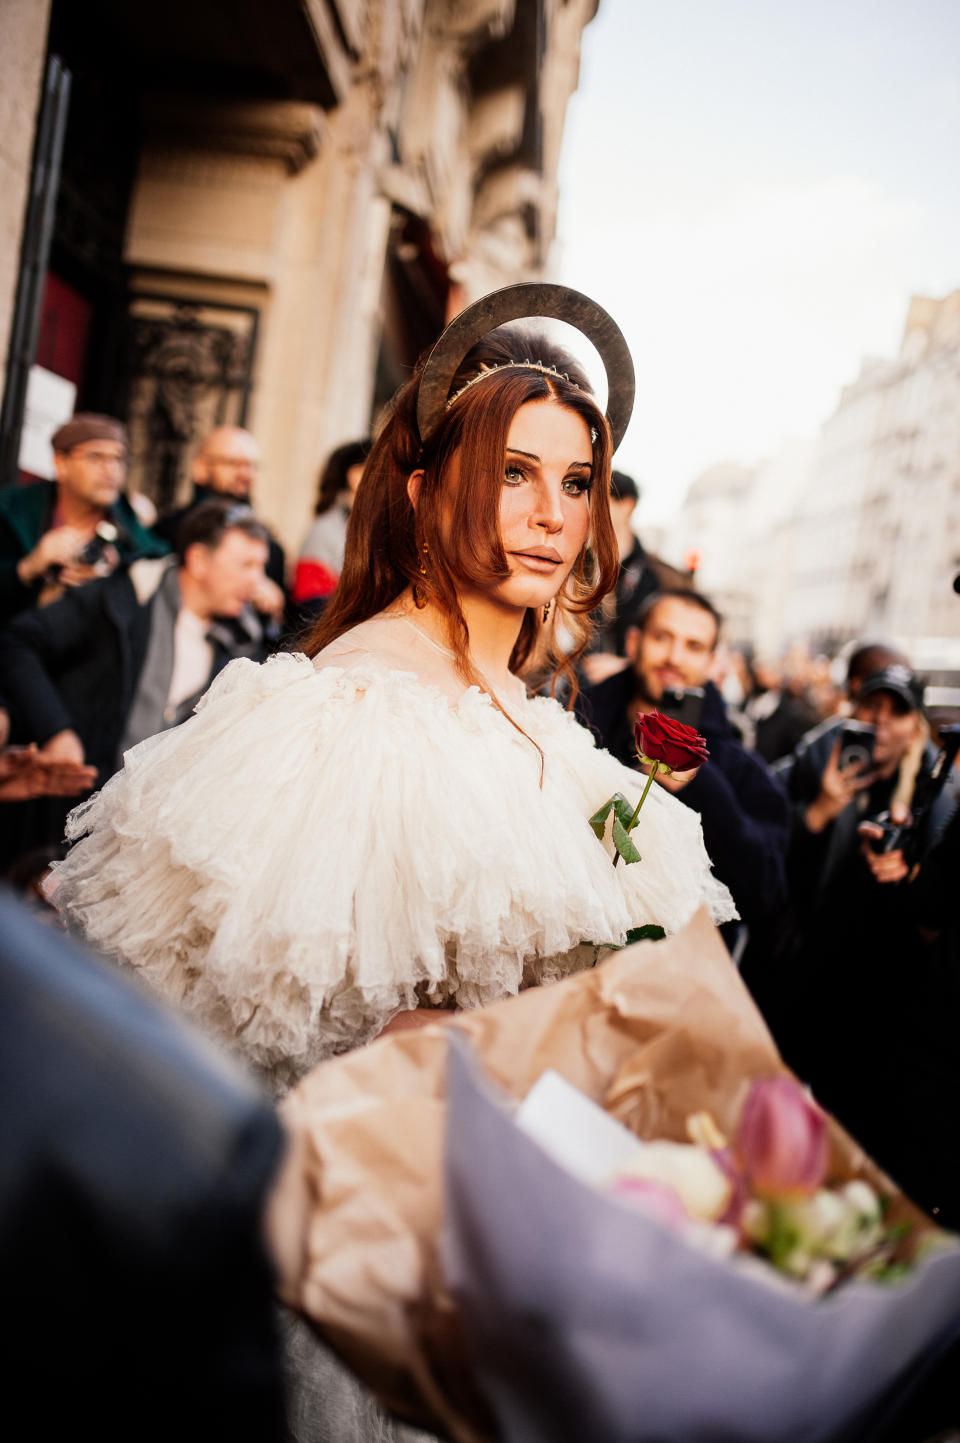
<point x="589" y="1323"/>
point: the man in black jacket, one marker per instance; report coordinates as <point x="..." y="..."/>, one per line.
<point x="124" y="657"/>
<point x="744" y="813"/>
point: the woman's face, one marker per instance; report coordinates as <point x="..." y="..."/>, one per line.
<point x="544" y="502"/>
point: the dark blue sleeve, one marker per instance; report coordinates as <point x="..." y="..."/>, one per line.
<point x="745" y="816"/>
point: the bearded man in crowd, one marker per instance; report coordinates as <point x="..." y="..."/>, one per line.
<point x="744" y="812"/>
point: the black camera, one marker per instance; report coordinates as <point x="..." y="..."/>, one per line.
<point x="106" y="534"/>
<point x="928" y="787"/>
<point x="683" y="704"/>
<point x="894" y="833"/>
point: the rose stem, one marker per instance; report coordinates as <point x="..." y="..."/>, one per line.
<point x="633" y="820"/>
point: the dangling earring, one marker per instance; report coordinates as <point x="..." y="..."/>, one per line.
<point x="546" y="611"/>
<point x="419" y="600"/>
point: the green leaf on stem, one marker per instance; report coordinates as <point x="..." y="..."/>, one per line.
<point x="650" y="932"/>
<point x="621" y="808"/>
<point x="599" y="819"/>
<point x="623" y="843"/>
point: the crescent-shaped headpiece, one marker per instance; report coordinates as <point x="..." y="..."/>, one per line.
<point x="514" y="303"/>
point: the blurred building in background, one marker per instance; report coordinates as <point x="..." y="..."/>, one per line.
<point x="878" y="530"/>
<point x="261" y="214"/>
<point x="713" y="525"/>
<point x="858" y="532"/>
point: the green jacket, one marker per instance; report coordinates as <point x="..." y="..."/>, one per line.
<point x="26" y="513"/>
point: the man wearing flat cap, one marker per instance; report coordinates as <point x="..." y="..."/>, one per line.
<point x="63" y="533"/>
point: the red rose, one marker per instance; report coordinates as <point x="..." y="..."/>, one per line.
<point x="674" y="745"/>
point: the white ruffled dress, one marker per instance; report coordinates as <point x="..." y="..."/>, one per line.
<point x="328" y="842"/>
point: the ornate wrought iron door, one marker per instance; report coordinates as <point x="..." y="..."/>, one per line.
<point x="189" y="367"/>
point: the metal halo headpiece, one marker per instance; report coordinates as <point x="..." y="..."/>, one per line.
<point x="514" y="303"/>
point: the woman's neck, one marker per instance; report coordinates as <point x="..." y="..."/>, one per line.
<point x="493" y="630"/>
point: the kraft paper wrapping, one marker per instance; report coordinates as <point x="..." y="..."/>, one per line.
<point x="655" y="1032"/>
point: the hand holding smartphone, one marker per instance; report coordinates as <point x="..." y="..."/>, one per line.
<point x="856" y="746"/>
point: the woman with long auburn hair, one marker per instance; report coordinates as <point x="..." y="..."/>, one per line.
<point x="387" y="823"/>
<point x="390" y="527"/>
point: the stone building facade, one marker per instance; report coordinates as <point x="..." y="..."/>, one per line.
<point x="712" y="530"/>
<point x="855" y="532"/>
<point x="877" y="530"/>
<point x="266" y="222"/>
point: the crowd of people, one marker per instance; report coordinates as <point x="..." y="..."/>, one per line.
<point x="114" y="621"/>
<point x="833" y="851"/>
<point x="113" y="629"/>
<point x="404" y="746"/>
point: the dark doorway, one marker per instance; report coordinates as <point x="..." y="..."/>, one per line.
<point x="413" y="303"/>
<point x="100" y="152"/>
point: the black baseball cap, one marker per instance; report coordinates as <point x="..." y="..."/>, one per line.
<point x="899" y="681"/>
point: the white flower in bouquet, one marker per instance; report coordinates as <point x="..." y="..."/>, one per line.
<point x="766" y="1192"/>
<point x="702" y="1186"/>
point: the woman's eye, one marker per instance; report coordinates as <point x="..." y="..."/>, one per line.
<point x="513" y="475"/>
<point x="577" y="485"/>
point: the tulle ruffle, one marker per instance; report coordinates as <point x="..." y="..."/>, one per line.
<point x="317" y="849"/>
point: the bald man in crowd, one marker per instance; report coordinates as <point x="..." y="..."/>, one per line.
<point x="225" y="466"/>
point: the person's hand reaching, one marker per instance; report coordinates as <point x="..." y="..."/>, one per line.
<point x="26" y="772"/>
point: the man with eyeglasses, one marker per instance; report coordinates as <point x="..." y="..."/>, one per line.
<point x="115" y="662"/>
<point x="55" y="535"/>
<point x="225" y="468"/>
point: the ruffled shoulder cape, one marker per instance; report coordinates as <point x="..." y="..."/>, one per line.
<point x="317" y="849"/>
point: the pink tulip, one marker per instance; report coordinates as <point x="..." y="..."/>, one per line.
<point x="782" y="1142"/>
<point x="653" y="1198"/>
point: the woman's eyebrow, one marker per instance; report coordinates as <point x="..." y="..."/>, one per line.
<point x="531" y="456"/>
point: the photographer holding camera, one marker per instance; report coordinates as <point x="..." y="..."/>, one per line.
<point x="857" y="1012"/>
<point x="852" y="785"/>
<point x="59" y="534"/>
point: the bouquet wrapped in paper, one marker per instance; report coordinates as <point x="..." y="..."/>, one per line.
<point x="479" y="1285"/>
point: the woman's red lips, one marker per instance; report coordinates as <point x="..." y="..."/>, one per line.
<point x="541" y="553"/>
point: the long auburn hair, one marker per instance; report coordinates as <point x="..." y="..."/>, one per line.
<point x="386" y="535"/>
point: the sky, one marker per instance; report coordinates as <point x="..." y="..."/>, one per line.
<point x="754" y="189"/>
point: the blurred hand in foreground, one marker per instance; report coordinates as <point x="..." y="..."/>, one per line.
<point x="26" y="773"/>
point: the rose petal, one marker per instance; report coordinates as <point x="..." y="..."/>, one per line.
<point x="660" y="738"/>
